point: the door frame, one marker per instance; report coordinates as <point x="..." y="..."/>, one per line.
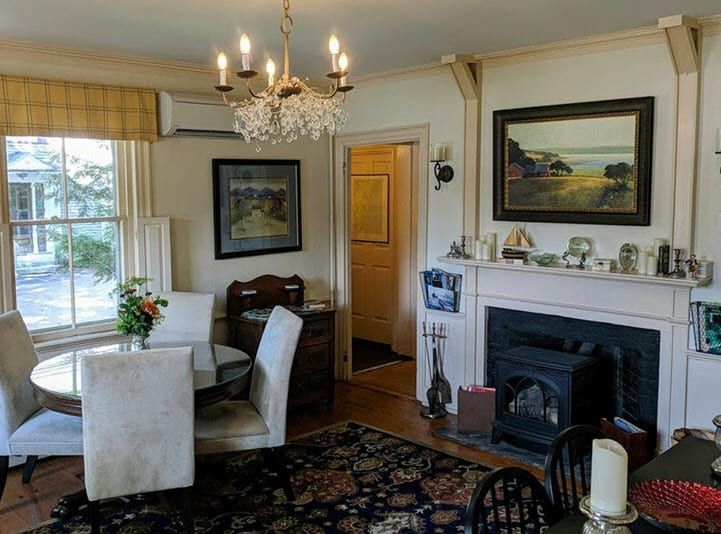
<point x="340" y="228"/>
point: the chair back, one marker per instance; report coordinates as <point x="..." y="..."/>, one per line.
<point x="17" y="359"/>
<point x="188" y="318"/>
<point x="271" y="370"/>
<point x="568" y="468"/>
<point x="138" y="414"/>
<point x="509" y="499"/>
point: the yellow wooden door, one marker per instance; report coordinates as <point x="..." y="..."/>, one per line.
<point x="372" y="247"/>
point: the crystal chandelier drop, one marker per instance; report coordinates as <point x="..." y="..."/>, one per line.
<point x="287" y="107"/>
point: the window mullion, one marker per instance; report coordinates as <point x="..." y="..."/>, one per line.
<point x="69" y="237"/>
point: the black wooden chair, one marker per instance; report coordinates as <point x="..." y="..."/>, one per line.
<point x="568" y="468"/>
<point x="507" y="500"/>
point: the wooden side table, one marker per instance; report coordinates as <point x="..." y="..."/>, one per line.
<point x="313" y="368"/>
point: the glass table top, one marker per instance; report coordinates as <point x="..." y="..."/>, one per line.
<point x="214" y="365"/>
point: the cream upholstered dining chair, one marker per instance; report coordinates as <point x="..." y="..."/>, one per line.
<point x="188" y="318"/>
<point x="26" y="429"/>
<point x="258" y="423"/>
<point x="138" y="412"/>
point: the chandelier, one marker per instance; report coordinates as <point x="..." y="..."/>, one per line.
<point x="288" y="107"/>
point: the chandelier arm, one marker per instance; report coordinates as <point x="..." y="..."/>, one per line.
<point x="316" y="94"/>
<point x="253" y="93"/>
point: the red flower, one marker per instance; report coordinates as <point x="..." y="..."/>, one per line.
<point x="149" y="307"/>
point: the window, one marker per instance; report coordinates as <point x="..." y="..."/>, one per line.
<point x="63" y="214"/>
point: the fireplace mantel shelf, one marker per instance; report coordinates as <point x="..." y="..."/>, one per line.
<point x="561" y="270"/>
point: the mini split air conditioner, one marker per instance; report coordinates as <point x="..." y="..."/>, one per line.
<point x="194" y="116"/>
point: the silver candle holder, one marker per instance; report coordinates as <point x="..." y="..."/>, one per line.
<point x="599" y="523"/>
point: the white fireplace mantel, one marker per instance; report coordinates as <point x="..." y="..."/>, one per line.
<point x="654" y="303"/>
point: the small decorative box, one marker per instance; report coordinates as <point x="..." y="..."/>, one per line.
<point x="603" y="264"/>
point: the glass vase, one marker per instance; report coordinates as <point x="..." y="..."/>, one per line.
<point x="139" y="342"/>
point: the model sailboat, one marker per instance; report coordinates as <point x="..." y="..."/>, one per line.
<point x="517" y="245"/>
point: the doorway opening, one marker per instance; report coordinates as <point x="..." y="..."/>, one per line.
<point x="382" y="271"/>
<point x="380" y="243"/>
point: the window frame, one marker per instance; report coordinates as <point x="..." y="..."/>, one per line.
<point x="132" y="199"/>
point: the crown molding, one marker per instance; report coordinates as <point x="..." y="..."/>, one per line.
<point x="584" y="45"/>
<point x="403" y="73"/>
<point x="27" y="51"/>
<point x="710" y="25"/>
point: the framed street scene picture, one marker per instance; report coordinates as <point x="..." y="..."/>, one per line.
<point x="574" y="163"/>
<point x="256" y="207"/>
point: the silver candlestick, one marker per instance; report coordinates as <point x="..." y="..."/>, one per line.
<point x="599" y="523"/>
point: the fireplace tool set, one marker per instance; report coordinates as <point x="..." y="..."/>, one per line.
<point x="439" y="394"/>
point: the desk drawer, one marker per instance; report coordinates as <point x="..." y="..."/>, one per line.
<point x="314" y="357"/>
<point x="315" y="331"/>
<point x="308" y="387"/>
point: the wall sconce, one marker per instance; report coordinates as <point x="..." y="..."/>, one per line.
<point x="443" y="173"/>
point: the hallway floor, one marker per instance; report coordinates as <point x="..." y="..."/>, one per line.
<point x="398" y="379"/>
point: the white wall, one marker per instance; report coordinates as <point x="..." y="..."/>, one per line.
<point x="625" y="73"/>
<point x="430" y="99"/>
<point x="708" y="185"/>
<point x="182" y="189"/>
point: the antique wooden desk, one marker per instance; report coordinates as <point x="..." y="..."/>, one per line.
<point x="313" y="369"/>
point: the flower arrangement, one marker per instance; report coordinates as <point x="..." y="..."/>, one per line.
<point x="138" y="311"/>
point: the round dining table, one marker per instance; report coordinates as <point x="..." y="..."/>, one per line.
<point x="220" y="372"/>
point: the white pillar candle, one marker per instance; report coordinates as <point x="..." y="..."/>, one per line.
<point x="641" y="260"/>
<point x="485" y="252"/>
<point x="491" y="240"/>
<point x="439" y="152"/>
<point x="477" y="249"/>
<point x="651" y="265"/>
<point x="609" y="477"/>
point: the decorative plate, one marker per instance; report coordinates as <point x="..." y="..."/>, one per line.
<point x="678" y="505"/>
<point x="577" y="246"/>
<point x="627" y="257"/>
<point x="544" y="260"/>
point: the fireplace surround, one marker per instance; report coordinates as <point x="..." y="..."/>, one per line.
<point x="628" y="358"/>
<point x="687" y="380"/>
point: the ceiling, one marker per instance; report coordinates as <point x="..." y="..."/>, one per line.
<point x="378" y="35"/>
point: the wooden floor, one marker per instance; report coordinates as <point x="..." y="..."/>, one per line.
<point x="398" y="378"/>
<point x="26" y="505"/>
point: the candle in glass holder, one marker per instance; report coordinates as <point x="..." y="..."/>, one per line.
<point x="609" y="477"/>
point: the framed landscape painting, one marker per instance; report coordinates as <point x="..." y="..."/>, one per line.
<point x="256" y="207"/>
<point x="574" y="163"/>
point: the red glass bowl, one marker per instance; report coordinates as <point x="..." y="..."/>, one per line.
<point x="678" y="505"/>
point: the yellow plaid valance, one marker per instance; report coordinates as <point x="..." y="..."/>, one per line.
<point x="67" y="109"/>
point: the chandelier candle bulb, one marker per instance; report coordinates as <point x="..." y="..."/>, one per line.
<point x="270" y="69"/>
<point x="245" y="52"/>
<point x="334" y="47"/>
<point x="609" y="478"/>
<point x="343" y="66"/>
<point x="222" y="66"/>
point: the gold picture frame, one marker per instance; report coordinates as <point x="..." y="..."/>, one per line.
<point x="369" y="207"/>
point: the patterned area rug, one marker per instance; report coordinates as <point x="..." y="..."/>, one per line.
<point x="347" y="478"/>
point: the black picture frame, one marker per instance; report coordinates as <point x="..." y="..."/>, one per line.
<point x="252" y="198"/>
<point x="639" y="213"/>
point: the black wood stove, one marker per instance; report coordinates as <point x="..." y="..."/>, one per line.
<point x="541" y="392"/>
